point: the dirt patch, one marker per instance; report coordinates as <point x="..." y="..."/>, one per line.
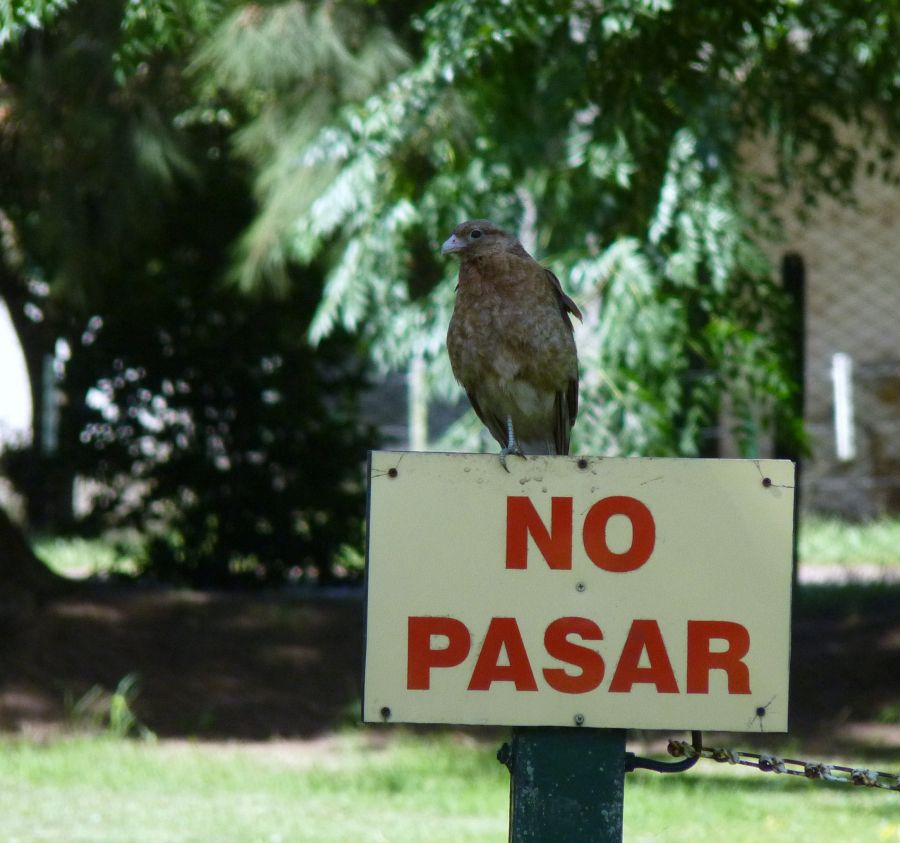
<point x="261" y="666"/>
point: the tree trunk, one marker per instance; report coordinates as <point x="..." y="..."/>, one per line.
<point x="24" y="579"/>
<point x="45" y="484"/>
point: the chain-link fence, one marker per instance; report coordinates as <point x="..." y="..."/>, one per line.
<point x="852" y="262"/>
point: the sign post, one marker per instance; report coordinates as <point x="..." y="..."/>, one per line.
<point x="566" y="784"/>
<point x="574" y="598"/>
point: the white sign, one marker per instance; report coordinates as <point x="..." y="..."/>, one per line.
<point x="629" y="593"/>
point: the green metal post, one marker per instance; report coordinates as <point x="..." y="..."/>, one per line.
<point x="567" y="785"/>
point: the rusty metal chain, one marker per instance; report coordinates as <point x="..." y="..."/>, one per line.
<point x="789" y="766"/>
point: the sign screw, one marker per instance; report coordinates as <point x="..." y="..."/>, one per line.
<point x="582" y="463"/>
<point x="579" y="719"/>
<point x="385" y="713"/>
<point x="580" y="586"/>
<point x="392" y="472"/>
<point x="767" y="481"/>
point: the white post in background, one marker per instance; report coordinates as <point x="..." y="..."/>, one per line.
<point x="417" y="404"/>
<point x="50" y="407"/>
<point x="844" y="426"/>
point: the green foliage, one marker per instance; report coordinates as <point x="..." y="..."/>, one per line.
<point x="287" y="69"/>
<point x="627" y="132"/>
<point x="90" y="146"/>
<point x="99" y="711"/>
<point x="89" y="153"/>
<point x="17" y="16"/>
<point x="621" y="139"/>
<point x="211" y="424"/>
<point x="215" y="428"/>
<point x="236" y="447"/>
<point x="889" y="714"/>
<point x="150" y="28"/>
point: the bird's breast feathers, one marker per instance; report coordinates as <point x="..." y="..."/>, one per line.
<point x="507" y="324"/>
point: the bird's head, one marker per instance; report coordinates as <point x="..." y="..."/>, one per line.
<point x="476" y="238"/>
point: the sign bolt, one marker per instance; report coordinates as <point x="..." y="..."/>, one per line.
<point x="385" y="714"/>
<point x="579" y="719"/>
<point x="580" y="586"/>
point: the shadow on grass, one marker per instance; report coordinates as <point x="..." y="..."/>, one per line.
<point x="211" y="665"/>
<point x="251" y="666"/>
<point x="845" y="660"/>
<point x="817" y="600"/>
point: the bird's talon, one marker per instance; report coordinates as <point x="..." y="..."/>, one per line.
<point x="516" y="452"/>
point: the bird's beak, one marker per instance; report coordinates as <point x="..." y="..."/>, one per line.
<point x="451" y="244"/>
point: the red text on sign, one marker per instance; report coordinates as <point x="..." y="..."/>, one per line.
<point x="436" y="643"/>
<point x="555" y="543"/>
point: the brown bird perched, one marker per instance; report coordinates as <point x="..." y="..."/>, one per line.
<point x="510" y="341"/>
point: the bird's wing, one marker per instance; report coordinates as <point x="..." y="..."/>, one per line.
<point x="566" y="305"/>
<point x="565" y="408"/>
<point x="491" y="421"/>
<point x="565" y="404"/>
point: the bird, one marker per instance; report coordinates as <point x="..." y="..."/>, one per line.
<point x="511" y="343"/>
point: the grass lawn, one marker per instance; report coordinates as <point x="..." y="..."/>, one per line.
<point x="829" y="541"/>
<point x="79" y="558"/>
<point x="387" y="786"/>
<point x="442" y="789"/>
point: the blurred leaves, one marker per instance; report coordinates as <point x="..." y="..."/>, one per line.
<point x="317" y="153"/>
<point x="88" y="138"/>
<point x="17" y="16"/>
<point x="211" y="425"/>
<point x="632" y="129"/>
<point x="100" y="711"/>
<point x="289" y="68"/>
<point x="203" y="420"/>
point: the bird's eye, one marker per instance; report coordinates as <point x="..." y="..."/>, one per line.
<point x="475" y="233"/>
